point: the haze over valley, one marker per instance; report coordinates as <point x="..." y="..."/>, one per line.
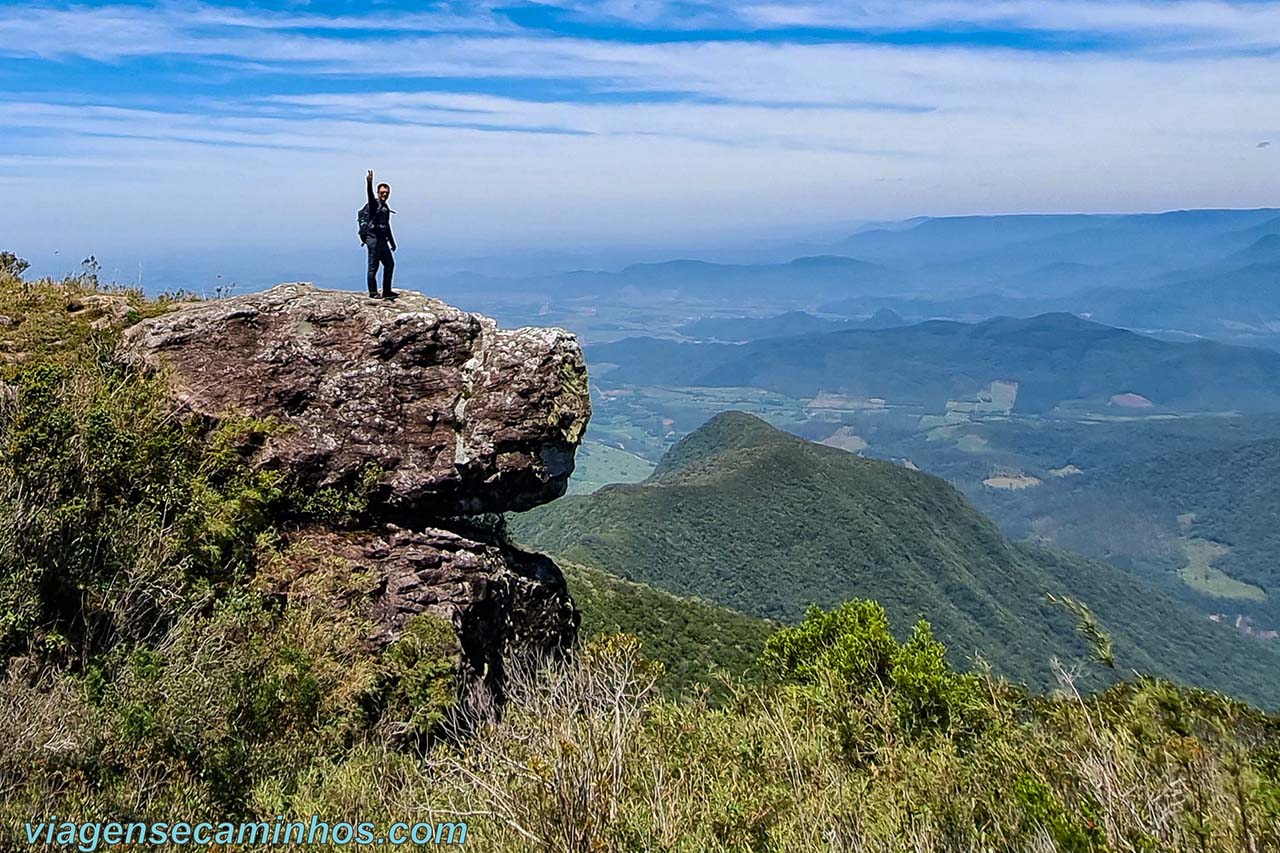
<point x="1030" y="361"/>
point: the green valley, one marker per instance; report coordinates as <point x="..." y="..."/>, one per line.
<point x="1210" y="517"/>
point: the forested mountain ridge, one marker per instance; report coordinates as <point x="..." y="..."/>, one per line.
<point x="1055" y="359"/>
<point x="760" y="521"/>
<point x="693" y="639"/>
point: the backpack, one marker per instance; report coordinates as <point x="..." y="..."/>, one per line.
<point x="365" y="221"/>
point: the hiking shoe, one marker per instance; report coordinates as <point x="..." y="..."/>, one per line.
<point x="390" y="294"/>
<point x="374" y="296"/>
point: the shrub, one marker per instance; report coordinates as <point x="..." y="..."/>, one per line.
<point x="112" y="510"/>
<point x="421" y="670"/>
<point x="853" y="645"/>
<point x="12" y="265"/>
<point x="851" y="642"/>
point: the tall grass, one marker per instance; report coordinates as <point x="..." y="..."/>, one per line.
<point x="588" y="757"/>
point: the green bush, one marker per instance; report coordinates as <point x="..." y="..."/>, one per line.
<point x="851" y="642"/>
<point x="421" y="668"/>
<point x="230" y="705"/>
<point x="1042" y="810"/>
<point x="853" y="645"/>
<point x="928" y="694"/>
<point x="112" y="510"/>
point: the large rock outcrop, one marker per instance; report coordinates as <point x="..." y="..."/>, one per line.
<point x="458" y="417"/>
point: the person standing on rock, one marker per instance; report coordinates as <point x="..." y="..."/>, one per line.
<point x="375" y="234"/>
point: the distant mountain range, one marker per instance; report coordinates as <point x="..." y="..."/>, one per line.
<point x="1028" y="256"/>
<point x="763" y="522"/>
<point x="1245" y="297"/>
<point x="742" y="329"/>
<point x="1208" y="273"/>
<point x="1264" y="250"/>
<point x="1055" y="359"/>
<point x="811" y="275"/>
<point x="805" y="278"/>
<point x="1011" y="246"/>
<point x="1236" y="301"/>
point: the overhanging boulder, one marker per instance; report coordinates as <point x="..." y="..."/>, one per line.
<point x="459" y="417"/>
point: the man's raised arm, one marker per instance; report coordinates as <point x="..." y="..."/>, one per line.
<point x="368" y="186"/>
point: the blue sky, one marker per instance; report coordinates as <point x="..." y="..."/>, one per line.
<point x="190" y="125"/>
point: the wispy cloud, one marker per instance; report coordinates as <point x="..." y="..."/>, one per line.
<point x="1181" y="18"/>
<point x="114" y="32"/>
<point x="1187" y="24"/>
<point x="562" y="120"/>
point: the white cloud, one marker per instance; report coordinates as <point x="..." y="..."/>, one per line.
<point x="1184" y="18"/>
<point x="481" y="18"/>
<point x="774" y="133"/>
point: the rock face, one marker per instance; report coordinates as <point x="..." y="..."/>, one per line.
<point x="458" y="416"/>
<point x="502" y="601"/>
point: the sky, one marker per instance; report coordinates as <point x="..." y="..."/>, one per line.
<point x="131" y="130"/>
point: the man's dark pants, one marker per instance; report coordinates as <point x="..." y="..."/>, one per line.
<point x="380" y="253"/>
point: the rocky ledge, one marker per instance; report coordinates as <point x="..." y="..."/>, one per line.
<point x="459" y="417"/>
<point x="453" y="416"/>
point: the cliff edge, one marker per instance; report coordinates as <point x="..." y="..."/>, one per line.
<point x="435" y="415"/>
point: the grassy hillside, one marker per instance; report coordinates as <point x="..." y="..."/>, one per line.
<point x="1055" y="359"/>
<point x="760" y="521"/>
<point x="694" y="640"/>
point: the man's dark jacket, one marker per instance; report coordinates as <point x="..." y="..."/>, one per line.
<point x="379" y="217"/>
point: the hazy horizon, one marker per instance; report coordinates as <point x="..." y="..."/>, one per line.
<point x="247" y="268"/>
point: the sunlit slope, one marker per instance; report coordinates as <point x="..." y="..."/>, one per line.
<point x="693" y="639"/>
<point x="755" y="519"/>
